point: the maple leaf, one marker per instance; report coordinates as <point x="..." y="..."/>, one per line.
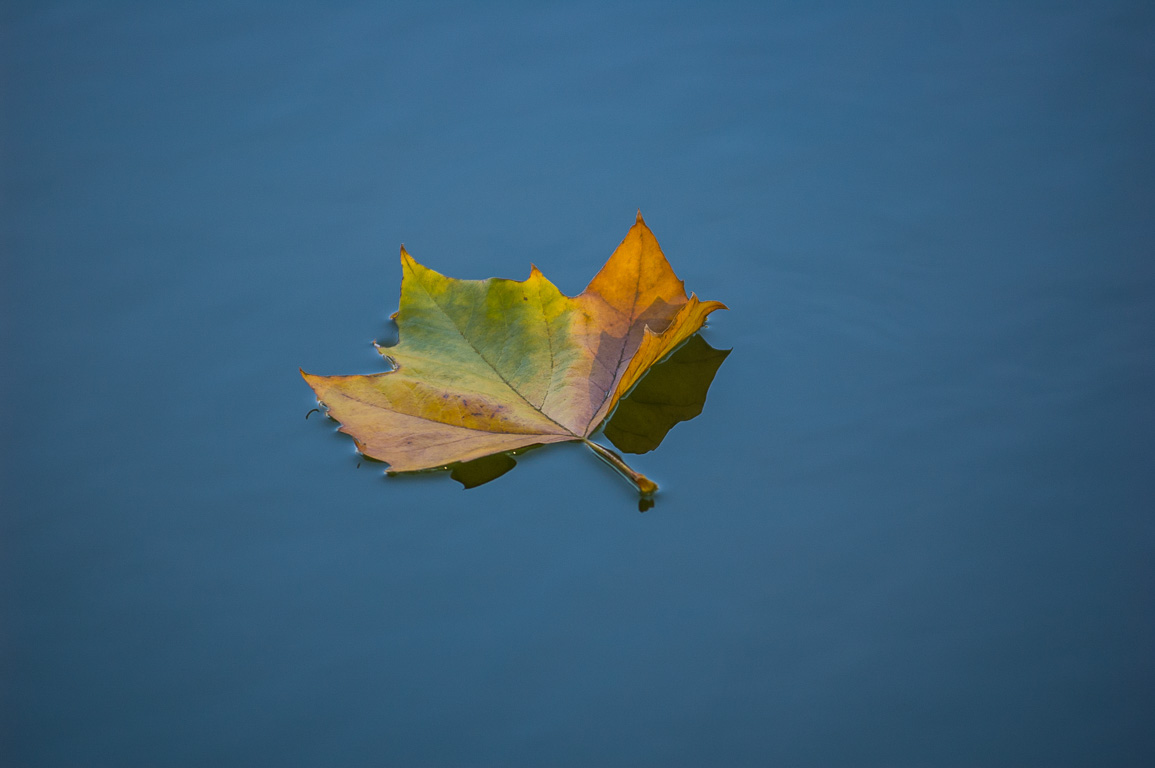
<point x="485" y="367"/>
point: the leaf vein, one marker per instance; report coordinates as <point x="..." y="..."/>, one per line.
<point x="476" y="351"/>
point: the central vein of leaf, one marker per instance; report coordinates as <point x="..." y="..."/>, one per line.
<point x="617" y="371"/>
<point x="549" y="342"/>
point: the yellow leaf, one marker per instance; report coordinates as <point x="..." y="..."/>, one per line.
<point x="484" y="367"/>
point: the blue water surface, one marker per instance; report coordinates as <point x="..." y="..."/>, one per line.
<point x="914" y="526"/>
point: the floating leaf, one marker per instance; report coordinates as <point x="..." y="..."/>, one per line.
<point x="484" y="367"/>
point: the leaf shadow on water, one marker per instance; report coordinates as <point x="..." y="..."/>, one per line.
<point x="672" y="392"/>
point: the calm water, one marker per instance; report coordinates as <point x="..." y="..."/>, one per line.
<point x="914" y="526"/>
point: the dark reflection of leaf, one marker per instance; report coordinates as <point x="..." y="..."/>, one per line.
<point x="473" y="473"/>
<point x="674" y="390"/>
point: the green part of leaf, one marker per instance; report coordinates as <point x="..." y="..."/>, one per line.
<point x="673" y="391"/>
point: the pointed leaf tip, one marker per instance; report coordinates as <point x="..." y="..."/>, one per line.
<point x="639" y="219"/>
<point x="711" y="305"/>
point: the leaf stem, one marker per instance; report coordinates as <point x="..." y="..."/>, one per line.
<point x="645" y="485"/>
